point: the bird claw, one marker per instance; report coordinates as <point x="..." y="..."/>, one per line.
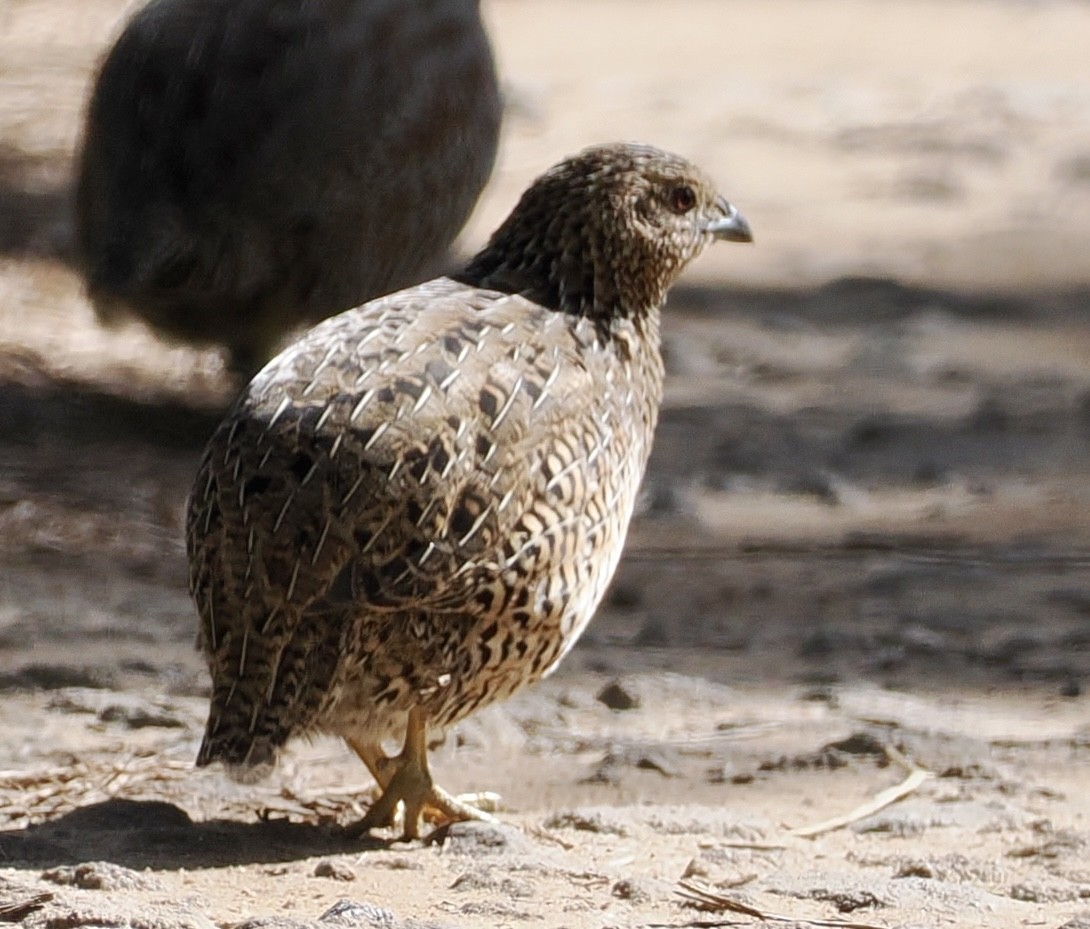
<point x="407" y="786"/>
<point x="434" y="805"/>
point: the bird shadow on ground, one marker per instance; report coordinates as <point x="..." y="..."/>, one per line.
<point x="877" y="300"/>
<point x="88" y="449"/>
<point x="36" y="202"/>
<point x="32" y="413"/>
<point x="47" y="422"/>
<point x="151" y="833"/>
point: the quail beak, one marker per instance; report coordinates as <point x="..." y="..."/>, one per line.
<point x="730" y="225"/>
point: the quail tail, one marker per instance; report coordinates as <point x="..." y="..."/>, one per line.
<point x="280" y="691"/>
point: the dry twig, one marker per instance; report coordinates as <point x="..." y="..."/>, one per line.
<point x="14" y="912"/>
<point x="540" y="832"/>
<point x="49" y="792"/>
<point x="753" y="846"/>
<point x="706" y="897"/>
<point x="916" y="777"/>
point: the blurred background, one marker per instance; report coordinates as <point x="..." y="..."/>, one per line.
<point x="866" y="521"/>
<point x="872" y="465"/>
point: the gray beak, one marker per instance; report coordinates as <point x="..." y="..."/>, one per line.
<point x="730" y="226"/>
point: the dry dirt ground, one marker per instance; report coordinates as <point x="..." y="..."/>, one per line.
<point x="863" y="560"/>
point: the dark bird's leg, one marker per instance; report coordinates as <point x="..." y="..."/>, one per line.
<point x="406" y="779"/>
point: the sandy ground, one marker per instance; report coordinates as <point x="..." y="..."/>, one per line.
<point x="863" y="558"/>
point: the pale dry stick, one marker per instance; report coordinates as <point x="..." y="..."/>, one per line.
<point x="49" y="775"/>
<point x="740" y="881"/>
<point x="707" y="897"/>
<point x="58" y="790"/>
<point x="754" y="846"/>
<point x="587" y="878"/>
<point x="743" y="732"/>
<point x="739" y="733"/>
<point x="45" y="802"/>
<point x="10" y="912"/>
<point x="290" y="803"/>
<point x="916" y="777"/>
<point x="23" y="778"/>
<point x="540" y="832"/>
<point x="895" y="755"/>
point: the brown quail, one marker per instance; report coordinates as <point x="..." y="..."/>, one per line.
<point x="250" y="165"/>
<point x="414" y="510"/>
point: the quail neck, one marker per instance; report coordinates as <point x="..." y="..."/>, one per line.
<point x="606" y="233"/>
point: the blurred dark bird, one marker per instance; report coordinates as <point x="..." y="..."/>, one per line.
<point x="415" y="509"/>
<point x="250" y="165"/>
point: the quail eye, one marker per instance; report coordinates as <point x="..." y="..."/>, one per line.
<point x="682" y="198"/>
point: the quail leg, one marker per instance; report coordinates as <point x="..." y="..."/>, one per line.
<point x="406" y="779"/>
<point x="377" y="762"/>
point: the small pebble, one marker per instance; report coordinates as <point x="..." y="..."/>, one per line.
<point x="617" y="697"/>
<point x="335" y="870"/>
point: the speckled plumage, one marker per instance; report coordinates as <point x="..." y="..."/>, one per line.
<point x="420" y="503"/>
<point x="251" y="165"/>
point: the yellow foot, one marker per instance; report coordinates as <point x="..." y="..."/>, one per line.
<point x="430" y="803"/>
<point x="406" y="781"/>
